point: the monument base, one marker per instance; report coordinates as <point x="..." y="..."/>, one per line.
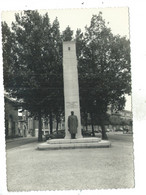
<point x="68" y="135"/>
<point x="74" y="143"/>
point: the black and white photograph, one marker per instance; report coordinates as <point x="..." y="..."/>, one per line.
<point x="67" y="90"/>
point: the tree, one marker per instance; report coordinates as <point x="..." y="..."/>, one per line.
<point x="67" y="34"/>
<point x="7" y="55"/>
<point x="80" y="44"/>
<point x="33" y="62"/>
<point x="36" y="63"/>
<point x="104" y="70"/>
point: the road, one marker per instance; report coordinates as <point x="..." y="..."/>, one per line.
<point x="89" y="168"/>
<point x="13" y="143"/>
<point x="119" y="136"/>
<point x="111" y="135"/>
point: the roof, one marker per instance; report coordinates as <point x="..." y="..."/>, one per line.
<point x="11" y="100"/>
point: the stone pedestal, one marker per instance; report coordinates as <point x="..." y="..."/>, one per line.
<point x="71" y="86"/>
<point x="55" y="144"/>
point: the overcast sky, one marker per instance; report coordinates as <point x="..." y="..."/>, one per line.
<point x="116" y="18"/>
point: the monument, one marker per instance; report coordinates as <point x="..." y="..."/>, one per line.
<point x="72" y="105"/>
<point x="71" y="86"/>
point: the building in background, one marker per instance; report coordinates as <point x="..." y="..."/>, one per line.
<point x="11" y="117"/>
<point x="23" y="122"/>
<point x="121" y="120"/>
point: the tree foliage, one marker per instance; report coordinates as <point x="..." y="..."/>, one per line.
<point x="36" y="63"/>
<point x="7" y="56"/>
<point x="32" y="58"/>
<point x="104" y="70"/>
<point x="67" y="34"/>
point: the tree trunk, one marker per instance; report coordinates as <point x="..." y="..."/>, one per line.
<point x="86" y="122"/>
<point x="92" y="125"/>
<point x="93" y="130"/>
<point x="86" y="127"/>
<point x="104" y="135"/>
<point x="51" y="123"/>
<point x="57" y="126"/>
<point x="40" y="127"/>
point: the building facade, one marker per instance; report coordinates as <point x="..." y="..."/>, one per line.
<point x="11" y="118"/>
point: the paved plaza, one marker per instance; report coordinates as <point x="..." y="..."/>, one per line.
<point x="96" y="168"/>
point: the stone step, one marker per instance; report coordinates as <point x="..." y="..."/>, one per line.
<point x="99" y="144"/>
<point x="79" y="140"/>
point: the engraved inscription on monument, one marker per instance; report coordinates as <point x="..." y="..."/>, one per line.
<point x="71" y="105"/>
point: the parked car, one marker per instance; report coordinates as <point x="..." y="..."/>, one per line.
<point x="98" y="131"/>
<point x="125" y="130"/>
<point x="119" y="129"/>
<point x="55" y="135"/>
<point x="86" y="133"/>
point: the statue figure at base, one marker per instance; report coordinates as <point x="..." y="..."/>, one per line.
<point x="72" y="125"/>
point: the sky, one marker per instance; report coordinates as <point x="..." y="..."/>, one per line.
<point x="116" y="18"/>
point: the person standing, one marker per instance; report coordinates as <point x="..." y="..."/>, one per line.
<point x="72" y="125"/>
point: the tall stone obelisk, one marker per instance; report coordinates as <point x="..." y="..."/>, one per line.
<point x="71" y="86"/>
